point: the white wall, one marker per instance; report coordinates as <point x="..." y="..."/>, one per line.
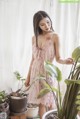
<point x="16" y="30"/>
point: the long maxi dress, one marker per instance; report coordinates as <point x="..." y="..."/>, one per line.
<point x="40" y="55"/>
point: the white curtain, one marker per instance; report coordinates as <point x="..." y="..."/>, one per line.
<point x="16" y="30"/>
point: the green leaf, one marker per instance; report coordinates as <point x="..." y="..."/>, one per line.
<point x="50" y="88"/>
<point x="41" y="77"/>
<point x="68" y="82"/>
<point x="53" y="70"/>
<point x="78" y="97"/>
<point x="46" y="85"/>
<point x="77" y="102"/>
<point x="23" y="79"/>
<point x="59" y="76"/>
<point x="55" y="89"/>
<point x="78" y="66"/>
<point x="49" y="69"/>
<point x="1" y="97"/>
<point x="43" y="92"/>
<point x="17" y="74"/>
<point x="78" y="108"/>
<point x="76" y="54"/>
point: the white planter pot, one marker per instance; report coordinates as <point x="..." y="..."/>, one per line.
<point x="32" y="112"/>
<point x="45" y="114"/>
<point x="78" y="117"/>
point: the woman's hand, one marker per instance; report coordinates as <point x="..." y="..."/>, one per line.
<point x="27" y="82"/>
<point x="69" y="61"/>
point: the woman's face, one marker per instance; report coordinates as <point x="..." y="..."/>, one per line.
<point x="45" y="24"/>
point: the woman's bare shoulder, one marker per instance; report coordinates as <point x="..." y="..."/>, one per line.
<point x="55" y="37"/>
<point x="55" y="34"/>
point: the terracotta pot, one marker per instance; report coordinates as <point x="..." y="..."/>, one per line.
<point x="18" y="104"/>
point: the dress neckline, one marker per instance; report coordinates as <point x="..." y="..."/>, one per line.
<point x="45" y="44"/>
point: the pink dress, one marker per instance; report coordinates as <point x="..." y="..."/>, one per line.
<point x="41" y="55"/>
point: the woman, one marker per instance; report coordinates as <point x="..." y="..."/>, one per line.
<point x="45" y="46"/>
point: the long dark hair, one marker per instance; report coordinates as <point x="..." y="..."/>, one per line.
<point x="36" y="19"/>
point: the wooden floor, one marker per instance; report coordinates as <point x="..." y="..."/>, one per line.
<point x="21" y="116"/>
<point x="24" y="116"/>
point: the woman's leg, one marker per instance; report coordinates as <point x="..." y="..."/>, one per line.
<point x="42" y="110"/>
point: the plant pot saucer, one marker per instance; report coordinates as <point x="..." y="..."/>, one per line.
<point x="37" y="117"/>
<point x="18" y="114"/>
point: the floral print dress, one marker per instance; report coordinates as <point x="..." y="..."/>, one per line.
<point x="40" y="55"/>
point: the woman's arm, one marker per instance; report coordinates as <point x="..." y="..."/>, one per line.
<point x="57" y="54"/>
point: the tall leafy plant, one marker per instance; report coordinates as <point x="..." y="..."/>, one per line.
<point x="71" y="102"/>
<point x="19" y="91"/>
<point x="68" y="106"/>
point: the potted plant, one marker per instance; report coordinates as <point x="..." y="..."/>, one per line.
<point x="69" y="105"/>
<point x="4" y="105"/>
<point x="18" y="99"/>
<point x="32" y="110"/>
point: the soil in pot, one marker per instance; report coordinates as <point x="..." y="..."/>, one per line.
<point x="51" y="116"/>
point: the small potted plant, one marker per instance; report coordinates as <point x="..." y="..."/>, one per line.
<point x="69" y="105"/>
<point x="18" y="99"/>
<point x="32" y="110"/>
<point x="4" y="105"/>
